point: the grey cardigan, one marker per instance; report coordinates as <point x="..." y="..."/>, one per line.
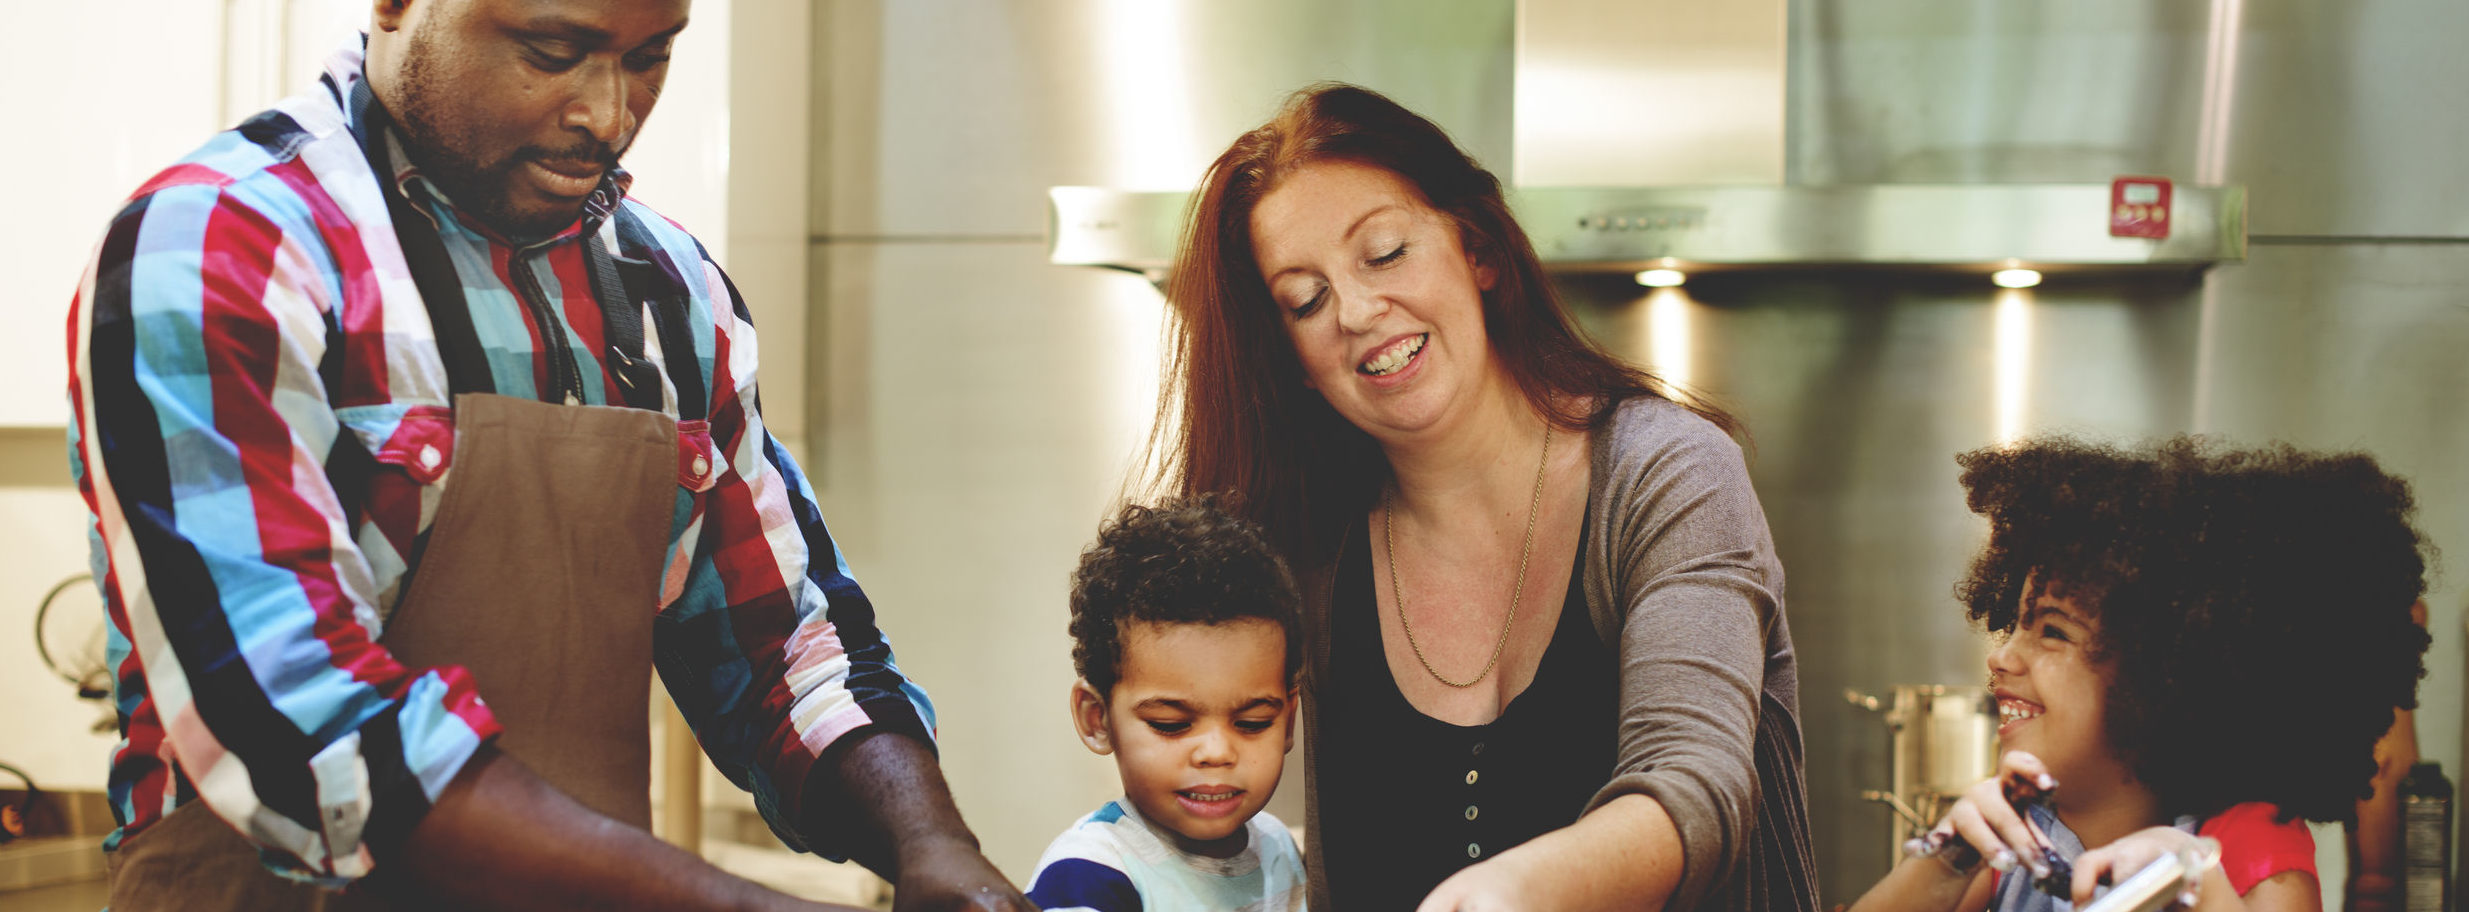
<point x="1681" y="577"/>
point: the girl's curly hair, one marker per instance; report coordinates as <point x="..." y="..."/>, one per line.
<point x="2253" y="606"/>
<point x="1186" y="560"/>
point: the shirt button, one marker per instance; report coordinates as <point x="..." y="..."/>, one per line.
<point x="429" y="457"/>
<point x="701" y="465"/>
<point x="1473" y="850"/>
<point x="1478" y="748"/>
<point x="1470" y="812"/>
<point x="1471" y="777"/>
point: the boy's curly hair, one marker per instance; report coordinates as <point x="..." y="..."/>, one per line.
<point x="1188" y="560"/>
<point x="2253" y="606"/>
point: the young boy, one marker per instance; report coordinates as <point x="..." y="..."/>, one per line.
<point x="1183" y="629"/>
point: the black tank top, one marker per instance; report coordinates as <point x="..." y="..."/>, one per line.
<point x="1407" y="800"/>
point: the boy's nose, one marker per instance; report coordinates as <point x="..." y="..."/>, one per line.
<point x="1213" y="749"/>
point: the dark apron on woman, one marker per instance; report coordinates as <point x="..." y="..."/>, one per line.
<point x="540" y="575"/>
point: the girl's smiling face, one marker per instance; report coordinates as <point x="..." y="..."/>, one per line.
<point x="2052" y="690"/>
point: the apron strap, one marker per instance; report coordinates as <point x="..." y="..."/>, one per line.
<point x="441" y="288"/>
<point x="621" y="325"/>
<point x="643" y="280"/>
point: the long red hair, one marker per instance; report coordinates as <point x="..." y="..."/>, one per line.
<point x="1235" y="415"/>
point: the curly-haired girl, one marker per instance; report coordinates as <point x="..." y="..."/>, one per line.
<point x="2192" y="642"/>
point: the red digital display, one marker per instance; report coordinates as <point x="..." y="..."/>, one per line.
<point x="2139" y="207"/>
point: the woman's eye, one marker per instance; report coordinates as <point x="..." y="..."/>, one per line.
<point x="1311" y="304"/>
<point x="1168" y="728"/>
<point x="1387" y="258"/>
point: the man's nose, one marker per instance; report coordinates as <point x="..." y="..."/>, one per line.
<point x="599" y="104"/>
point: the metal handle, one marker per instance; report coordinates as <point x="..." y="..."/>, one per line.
<point x="1895" y="802"/>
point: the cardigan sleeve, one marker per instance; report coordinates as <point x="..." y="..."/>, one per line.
<point x="1692" y="583"/>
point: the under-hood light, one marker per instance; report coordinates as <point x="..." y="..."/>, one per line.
<point x="1664" y="277"/>
<point x="2015" y="277"/>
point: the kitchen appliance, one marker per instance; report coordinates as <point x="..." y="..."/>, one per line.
<point x="1943" y="740"/>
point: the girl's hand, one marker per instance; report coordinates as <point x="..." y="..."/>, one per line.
<point x="1986" y="817"/>
<point x="2121" y="859"/>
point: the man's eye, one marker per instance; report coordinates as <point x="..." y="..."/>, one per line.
<point x="644" y="61"/>
<point x="548" y="60"/>
<point x="1168" y="728"/>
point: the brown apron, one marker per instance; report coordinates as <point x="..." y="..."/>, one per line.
<point x="541" y="572"/>
<point x="541" y="576"/>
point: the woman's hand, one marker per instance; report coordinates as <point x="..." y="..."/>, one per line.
<point x="1624" y="855"/>
<point x="1986" y="817"/>
<point x="1486" y="886"/>
<point x="2121" y="859"/>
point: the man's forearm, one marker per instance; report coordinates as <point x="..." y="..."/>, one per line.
<point x="891" y="788"/>
<point x="501" y="838"/>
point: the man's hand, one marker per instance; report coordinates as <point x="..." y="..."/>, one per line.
<point x="939" y="874"/>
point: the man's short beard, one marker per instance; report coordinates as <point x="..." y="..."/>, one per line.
<point x="477" y="188"/>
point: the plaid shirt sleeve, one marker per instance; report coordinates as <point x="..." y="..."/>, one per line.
<point x="769" y="646"/>
<point x="241" y="604"/>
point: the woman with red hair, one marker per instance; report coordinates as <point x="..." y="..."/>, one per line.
<point x="1547" y="664"/>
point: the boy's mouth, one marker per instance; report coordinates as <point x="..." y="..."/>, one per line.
<point x="1393" y="357"/>
<point x="1210" y="800"/>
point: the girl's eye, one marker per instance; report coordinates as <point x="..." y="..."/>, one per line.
<point x="1387" y="258"/>
<point x="2051" y="631"/>
<point x="1168" y="728"/>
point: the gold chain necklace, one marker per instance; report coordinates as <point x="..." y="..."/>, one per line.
<point x="1398" y="593"/>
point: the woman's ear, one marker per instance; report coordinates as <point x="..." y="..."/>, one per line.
<point x="1485" y="275"/>
<point x="1089" y="717"/>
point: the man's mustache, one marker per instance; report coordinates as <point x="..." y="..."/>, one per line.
<point x="587" y="155"/>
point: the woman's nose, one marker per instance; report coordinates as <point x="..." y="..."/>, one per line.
<point x="1358" y="306"/>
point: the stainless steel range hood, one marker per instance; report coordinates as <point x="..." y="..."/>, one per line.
<point x="2051" y="227"/>
<point x="1686" y="99"/>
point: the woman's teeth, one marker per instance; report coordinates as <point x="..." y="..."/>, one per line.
<point x="1395" y="357"/>
<point x="2017" y="710"/>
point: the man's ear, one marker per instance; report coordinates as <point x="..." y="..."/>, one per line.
<point x="1089" y="717"/>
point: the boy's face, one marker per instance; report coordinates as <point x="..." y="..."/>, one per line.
<point x="2052" y="693"/>
<point x="1199" y="723"/>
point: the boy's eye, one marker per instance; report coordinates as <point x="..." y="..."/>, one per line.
<point x="1254" y="726"/>
<point x="1167" y="728"/>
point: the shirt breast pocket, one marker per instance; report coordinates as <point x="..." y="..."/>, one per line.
<point x="410" y="453"/>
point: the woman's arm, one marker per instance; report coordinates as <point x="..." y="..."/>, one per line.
<point x="1623" y="855"/>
